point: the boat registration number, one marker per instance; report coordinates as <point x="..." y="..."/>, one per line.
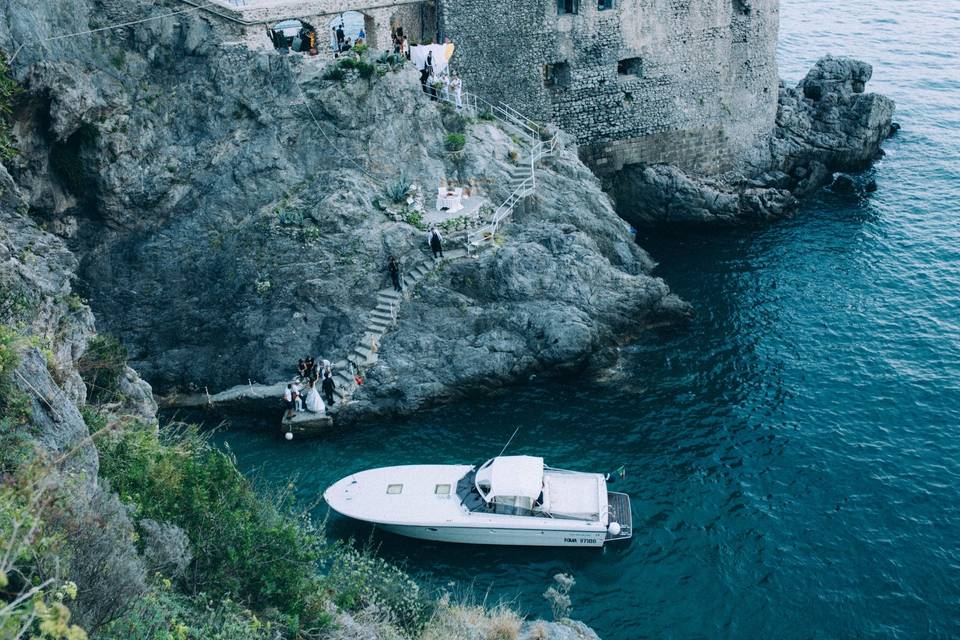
<point x="580" y="540"/>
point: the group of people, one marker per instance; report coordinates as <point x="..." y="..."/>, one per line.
<point x="302" y="394"/>
<point x="344" y="43"/>
<point x="443" y="85"/>
<point x="401" y="45"/>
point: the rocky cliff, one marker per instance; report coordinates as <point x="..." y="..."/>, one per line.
<point x="826" y="124"/>
<point x="224" y="202"/>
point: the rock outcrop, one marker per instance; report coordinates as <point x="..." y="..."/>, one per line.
<point x="825" y="124"/>
<point x="224" y="203"/>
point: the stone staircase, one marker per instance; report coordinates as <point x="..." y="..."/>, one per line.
<point x="381" y="319"/>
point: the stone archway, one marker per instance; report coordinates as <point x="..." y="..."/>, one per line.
<point x="354" y="25"/>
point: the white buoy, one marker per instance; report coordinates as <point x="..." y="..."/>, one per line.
<point x="614" y="528"/>
<point x="288" y="435"/>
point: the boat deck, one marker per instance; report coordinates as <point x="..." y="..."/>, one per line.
<point x="620" y="512"/>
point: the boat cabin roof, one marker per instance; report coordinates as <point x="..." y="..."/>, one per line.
<point x="510" y="476"/>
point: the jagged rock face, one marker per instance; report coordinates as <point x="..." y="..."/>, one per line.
<point x="223" y="235"/>
<point x="566" y="284"/>
<point x="36" y="274"/>
<point x="824" y="125"/>
<point x="827" y="124"/>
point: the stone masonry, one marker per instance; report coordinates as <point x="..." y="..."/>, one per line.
<point x="691" y="83"/>
<point x="688" y="82"/>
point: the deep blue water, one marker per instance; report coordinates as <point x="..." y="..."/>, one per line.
<point x="794" y="453"/>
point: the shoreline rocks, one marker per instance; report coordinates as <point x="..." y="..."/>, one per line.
<point x="826" y="124"/>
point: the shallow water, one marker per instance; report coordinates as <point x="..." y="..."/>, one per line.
<point x="794" y="454"/>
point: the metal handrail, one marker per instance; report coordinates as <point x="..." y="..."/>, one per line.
<point x="538" y="149"/>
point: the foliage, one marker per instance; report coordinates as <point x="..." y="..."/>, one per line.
<point x="365" y="69"/>
<point x="349" y="62"/>
<point x="163" y="614"/>
<point x="468" y="620"/>
<point x="311" y="234"/>
<point x="514" y="156"/>
<point x="33" y="600"/>
<point x="8" y="93"/>
<point x="487" y="114"/>
<point x="558" y="595"/>
<point x="360" y="49"/>
<point x="289" y="218"/>
<point x="454" y="224"/>
<point x="17" y="303"/>
<point x="101" y="368"/>
<point x="97" y="540"/>
<point x="414" y="218"/>
<point x="335" y="73"/>
<point x="398" y="190"/>
<point x="15" y="443"/>
<point x="264" y="552"/>
<point x="166" y="548"/>
<point x="454" y="142"/>
<point x="360" y="580"/>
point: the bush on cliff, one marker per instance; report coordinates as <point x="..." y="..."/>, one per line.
<point x="101" y="368"/>
<point x="15" y="436"/>
<point x="265" y="553"/>
<point x="360" y="580"/>
<point x="8" y="91"/>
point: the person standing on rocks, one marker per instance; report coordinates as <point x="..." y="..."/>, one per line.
<point x="394" y="270"/>
<point x="288" y="400"/>
<point x="327" y="386"/>
<point x="297" y="397"/>
<point x="436" y="243"/>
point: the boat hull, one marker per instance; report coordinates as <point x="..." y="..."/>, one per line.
<point x="500" y="536"/>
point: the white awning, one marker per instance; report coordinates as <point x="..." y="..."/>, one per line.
<point x="512" y="476"/>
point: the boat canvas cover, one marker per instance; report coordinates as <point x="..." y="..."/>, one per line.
<point x="572" y="495"/>
<point x="515" y="476"/>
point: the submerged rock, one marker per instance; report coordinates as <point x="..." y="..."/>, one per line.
<point x="825" y="124"/>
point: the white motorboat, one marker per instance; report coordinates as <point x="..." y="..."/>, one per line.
<point x="510" y="500"/>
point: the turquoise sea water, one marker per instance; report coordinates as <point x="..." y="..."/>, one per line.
<point x="794" y="454"/>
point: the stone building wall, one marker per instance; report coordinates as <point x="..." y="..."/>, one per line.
<point x="690" y="82"/>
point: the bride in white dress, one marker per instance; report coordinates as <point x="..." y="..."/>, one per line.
<point x="314" y="401"/>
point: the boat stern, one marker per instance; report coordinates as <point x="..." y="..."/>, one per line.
<point x="620" y="517"/>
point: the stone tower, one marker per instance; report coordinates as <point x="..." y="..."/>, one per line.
<point x="687" y="82"/>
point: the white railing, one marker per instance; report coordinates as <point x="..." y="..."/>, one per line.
<point x="530" y="130"/>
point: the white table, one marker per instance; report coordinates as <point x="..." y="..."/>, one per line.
<point x="449" y="199"/>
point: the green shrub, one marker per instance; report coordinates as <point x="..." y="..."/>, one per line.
<point x="8" y="93"/>
<point x="349" y="63"/>
<point x="335" y="73"/>
<point x="360" y="580"/>
<point x="163" y="614"/>
<point x="262" y="551"/>
<point x="365" y="69"/>
<point x="101" y="367"/>
<point x="454" y="142"/>
<point x="360" y="49"/>
<point x="15" y="407"/>
<point x="414" y="218"/>
<point x="25" y="544"/>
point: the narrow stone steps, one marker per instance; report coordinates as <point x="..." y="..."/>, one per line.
<point x="365" y="353"/>
<point x="388" y="294"/>
<point x="385" y="308"/>
<point x="381" y="316"/>
<point x="376" y="328"/>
